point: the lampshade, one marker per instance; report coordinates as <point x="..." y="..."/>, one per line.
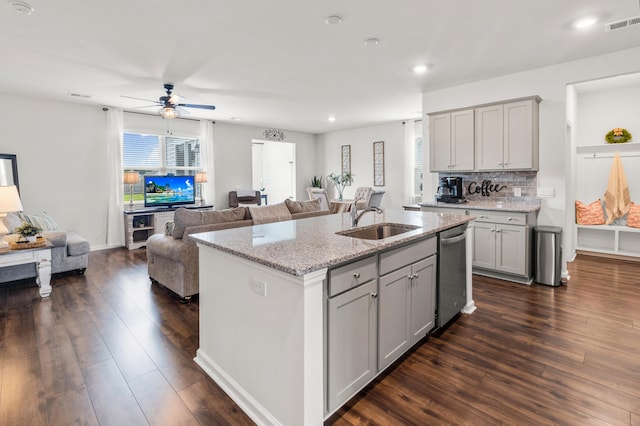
<point x="168" y="112"/>
<point x="9" y="199"/>
<point x="201" y="177"/>
<point x="131" y="178"/>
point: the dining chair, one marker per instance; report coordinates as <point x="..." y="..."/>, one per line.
<point x="376" y="198"/>
<point x="362" y="194"/>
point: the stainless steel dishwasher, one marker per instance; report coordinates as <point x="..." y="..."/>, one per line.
<point x="452" y="274"/>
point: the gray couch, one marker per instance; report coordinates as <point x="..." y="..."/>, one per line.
<point x="70" y="252"/>
<point x="172" y="260"/>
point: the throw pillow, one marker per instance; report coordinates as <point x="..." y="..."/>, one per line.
<point x="633" y="218"/>
<point x="591" y="214"/>
<point x="42" y="221"/>
<point x="268" y="214"/>
<point x="168" y="228"/>
<point x="183" y="218"/>
<point x="12" y="221"/>
<point x="303" y="206"/>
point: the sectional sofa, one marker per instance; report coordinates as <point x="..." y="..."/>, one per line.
<point x="172" y="257"/>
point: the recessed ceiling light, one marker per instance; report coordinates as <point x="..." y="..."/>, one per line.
<point x="79" y="95"/>
<point x="234" y="118"/>
<point x="333" y="20"/>
<point x="22" y="7"/>
<point x="371" y="42"/>
<point x="585" y="22"/>
<point x="331" y="118"/>
<point x="420" y="69"/>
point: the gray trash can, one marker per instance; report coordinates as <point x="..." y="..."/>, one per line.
<point x="548" y="255"/>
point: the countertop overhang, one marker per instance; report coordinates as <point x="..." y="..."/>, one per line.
<point x="302" y="246"/>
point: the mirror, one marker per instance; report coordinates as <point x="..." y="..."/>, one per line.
<point x="9" y="170"/>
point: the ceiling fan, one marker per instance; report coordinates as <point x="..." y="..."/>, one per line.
<point x="170" y="106"/>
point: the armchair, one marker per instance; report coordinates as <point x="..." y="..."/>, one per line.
<point x="244" y="196"/>
<point x="320" y="194"/>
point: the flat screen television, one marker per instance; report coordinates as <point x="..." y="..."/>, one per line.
<point x="169" y="191"/>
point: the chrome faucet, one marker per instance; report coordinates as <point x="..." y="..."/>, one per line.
<point x="355" y="216"/>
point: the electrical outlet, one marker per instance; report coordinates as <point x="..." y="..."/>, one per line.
<point x="517" y="192"/>
<point x="260" y="287"/>
<point x="546" y="192"/>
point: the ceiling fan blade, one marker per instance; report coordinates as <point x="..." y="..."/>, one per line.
<point x="211" y="107"/>
<point x="146" y="106"/>
<point x="140" y="99"/>
<point x="182" y="111"/>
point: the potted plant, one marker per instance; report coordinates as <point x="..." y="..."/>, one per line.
<point x="28" y="231"/>
<point x="340" y="181"/>
<point x="316" y="182"/>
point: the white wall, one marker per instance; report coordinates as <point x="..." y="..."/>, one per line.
<point x="550" y="84"/>
<point x="601" y="111"/>
<point x="361" y="141"/>
<point x="60" y="149"/>
<point x="233" y="160"/>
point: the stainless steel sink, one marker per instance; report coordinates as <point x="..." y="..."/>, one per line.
<point x="379" y="231"/>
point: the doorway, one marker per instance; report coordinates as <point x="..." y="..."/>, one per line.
<point x="274" y="170"/>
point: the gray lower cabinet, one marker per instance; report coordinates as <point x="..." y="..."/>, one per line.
<point x="503" y="248"/>
<point x="352" y="328"/>
<point x="406" y="308"/>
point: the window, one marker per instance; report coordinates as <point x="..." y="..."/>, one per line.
<point x="418" y="169"/>
<point x="158" y="155"/>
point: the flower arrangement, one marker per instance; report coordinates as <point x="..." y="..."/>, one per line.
<point x="340" y="181"/>
<point x="28" y="230"/>
<point x="618" y="135"/>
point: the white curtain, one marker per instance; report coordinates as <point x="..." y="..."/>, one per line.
<point x="409" y="161"/>
<point x="115" y="222"/>
<point x="206" y="160"/>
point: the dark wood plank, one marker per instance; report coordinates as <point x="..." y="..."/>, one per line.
<point x="108" y="347"/>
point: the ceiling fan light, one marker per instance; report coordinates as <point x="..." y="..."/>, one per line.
<point x="168" y="112"/>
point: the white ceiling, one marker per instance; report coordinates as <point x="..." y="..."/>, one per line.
<point x="276" y="63"/>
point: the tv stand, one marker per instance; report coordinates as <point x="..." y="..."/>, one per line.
<point x="140" y="224"/>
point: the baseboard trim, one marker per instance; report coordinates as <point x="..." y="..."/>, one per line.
<point x="609" y="256"/>
<point x="237" y="393"/>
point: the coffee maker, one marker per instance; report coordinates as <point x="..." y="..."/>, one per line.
<point x="450" y="190"/>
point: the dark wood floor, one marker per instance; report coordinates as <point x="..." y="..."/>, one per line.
<point x="109" y="348"/>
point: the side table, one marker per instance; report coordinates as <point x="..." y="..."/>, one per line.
<point x="41" y="256"/>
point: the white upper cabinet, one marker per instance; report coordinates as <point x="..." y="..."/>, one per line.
<point x="451" y="136"/>
<point x="507" y="136"/>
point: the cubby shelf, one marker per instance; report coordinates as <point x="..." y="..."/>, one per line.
<point x="609" y="239"/>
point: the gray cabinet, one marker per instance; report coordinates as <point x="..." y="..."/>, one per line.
<point x="451" y="141"/>
<point x="502" y="244"/>
<point x="352" y="327"/>
<point x="407" y="299"/>
<point x="507" y="136"/>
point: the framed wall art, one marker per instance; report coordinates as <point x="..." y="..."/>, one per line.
<point x="378" y="163"/>
<point x="345" y="159"/>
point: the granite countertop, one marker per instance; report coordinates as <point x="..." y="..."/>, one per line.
<point x="299" y="247"/>
<point x="527" y="205"/>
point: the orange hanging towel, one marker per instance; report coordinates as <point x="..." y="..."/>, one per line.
<point x="616" y="197"/>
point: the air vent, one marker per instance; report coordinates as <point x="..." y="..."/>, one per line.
<point x="623" y="23"/>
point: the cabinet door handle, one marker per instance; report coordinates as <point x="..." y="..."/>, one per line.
<point x="509" y="219"/>
<point x="497" y="231"/>
<point x="483" y="217"/>
<point x="416" y="275"/>
<point x="374" y="295"/>
<point x="356" y="275"/>
<point x="410" y="276"/>
<point x="493" y="230"/>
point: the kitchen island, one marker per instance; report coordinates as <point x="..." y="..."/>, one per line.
<point x="263" y="305"/>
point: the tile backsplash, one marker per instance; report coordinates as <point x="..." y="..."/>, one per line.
<point x="497" y="185"/>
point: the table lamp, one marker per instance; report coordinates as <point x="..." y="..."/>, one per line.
<point x="131" y="178"/>
<point x="201" y="177"/>
<point x="9" y="202"/>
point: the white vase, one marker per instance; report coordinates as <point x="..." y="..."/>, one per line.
<point x="31" y="238"/>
